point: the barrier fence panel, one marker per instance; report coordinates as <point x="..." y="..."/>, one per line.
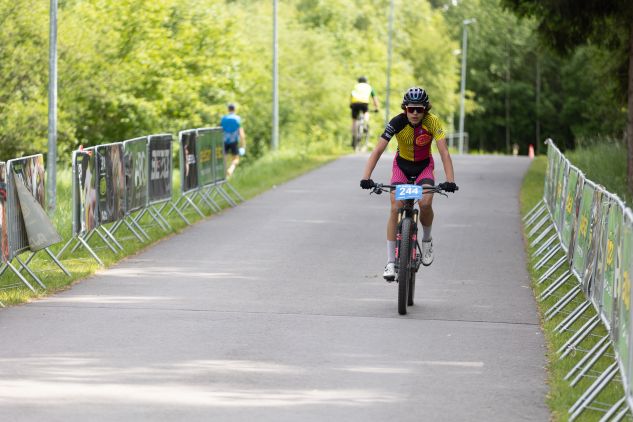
<point x="136" y="185"/>
<point x="84" y="192"/>
<point x="28" y="226"/>
<point x="594" y="228"/>
<point x="574" y="185"/>
<point x="110" y="186"/>
<point x="219" y="165"/>
<point x="623" y="304"/>
<point x="611" y="275"/>
<point x="136" y="174"/>
<point x="188" y="171"/>
<point x="84" y="201"/>
<point x="161" y="169"/>
<point x="214" y="184"/>
<point x="626" y="271"/>
<point x="205" y="144"/>
<point x="601" y="238"/>
<point x="188" y="161"/>
<point x="583" y="233"/>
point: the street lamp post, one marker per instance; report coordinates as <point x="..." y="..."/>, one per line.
<point x="51" y="161"/>
<point x="275" y="123"/>
<point x="463" y="84"/>
<point x="389" y="52"/>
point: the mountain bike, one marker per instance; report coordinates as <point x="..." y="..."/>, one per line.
<point x="408" y="250"/>
<point x="360" y="134"/>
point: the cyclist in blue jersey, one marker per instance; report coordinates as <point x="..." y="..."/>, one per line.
<point x="234" y="138"/>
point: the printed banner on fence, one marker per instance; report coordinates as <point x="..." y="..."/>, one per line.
<point x="85" y="191"/>
<point x="555" y="160"/>
<point x="218" y="158"/>
<point x="594" y="240"/>
<point x="188" y="161"/>
<point x="4" y="236"/>
<point x="204" y="153"/>
<point x="30" y="170"/>
<point x="574" y="180"/>
<point x="614" y="225"/>
<point x="623" y="344"/>
<point x="111" y="182"/>
<point x="602" y="231"/>
<point x="39" y="229"/>
<point x="559" y="204"/>
<point x="136" y="174"/>
<point x="160" y="168"/>
<point x="583" y="232"/>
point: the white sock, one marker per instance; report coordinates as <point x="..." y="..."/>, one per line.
<point x="426" y="233"/>
<point x="391" y="251"/>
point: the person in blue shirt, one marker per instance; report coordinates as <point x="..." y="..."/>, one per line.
<point x="234" y="138"/>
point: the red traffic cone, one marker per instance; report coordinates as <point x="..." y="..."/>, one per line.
<point x="531" y="151"/>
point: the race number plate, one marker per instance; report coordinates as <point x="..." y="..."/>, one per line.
<point x="408" y="192"/>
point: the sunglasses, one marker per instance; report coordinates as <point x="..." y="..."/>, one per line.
<point x="419" y="110"/>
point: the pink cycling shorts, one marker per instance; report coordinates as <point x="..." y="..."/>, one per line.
<point x="425" y="177"/>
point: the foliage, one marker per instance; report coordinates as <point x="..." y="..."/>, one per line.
<point x="580" y="94"/>
<point x="133" y="67"/>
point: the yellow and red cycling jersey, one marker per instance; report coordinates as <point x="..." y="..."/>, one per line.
<point x="414" y="143"/>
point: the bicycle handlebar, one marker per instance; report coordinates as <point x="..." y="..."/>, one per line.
<point x="381" y="187"/>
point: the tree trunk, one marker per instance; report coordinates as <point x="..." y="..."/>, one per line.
<point x="629" y="126"/>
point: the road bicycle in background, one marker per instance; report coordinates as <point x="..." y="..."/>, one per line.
<point x="360" y="134"/>
<point x="408" y="250"/>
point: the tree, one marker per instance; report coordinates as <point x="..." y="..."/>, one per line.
<point x="567" y="24"/>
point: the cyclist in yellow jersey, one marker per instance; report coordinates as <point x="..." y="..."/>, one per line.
<point x="359" y="101"/>
<point x="414" y="129"/>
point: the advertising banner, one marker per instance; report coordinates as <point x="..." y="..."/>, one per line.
<point x="204" y="153"/>
<point x="84" y="192"/>
<point x="555" y="160"/>
<point x="602" y="230"/>
<point x="623" y="343"/>
<point x="574" y="180"/>
<point x="219" y="163"/>
<point x="110" y="182"/>
<point x="160" y="168"/>
<point x="4" y="235"/>
<point x="39" y="229"/>
<point x="30" y="171"/>
<point x="583" y="232"/>
<point x="136" y="174"/>
<point x="614" y="226"/>
<point x="188" y="161"/>
<point x="559" y="204"/>
<point x="594" y="240"/>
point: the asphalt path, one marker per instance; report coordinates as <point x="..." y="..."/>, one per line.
<point x="276" y="310"/>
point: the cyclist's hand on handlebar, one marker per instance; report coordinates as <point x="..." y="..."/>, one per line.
<point x="448" y="186"/>
<point x="367" y="184"/>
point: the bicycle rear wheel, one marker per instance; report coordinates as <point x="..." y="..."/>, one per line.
<point x="357" y="135"/>
<point x="404" y="265"/>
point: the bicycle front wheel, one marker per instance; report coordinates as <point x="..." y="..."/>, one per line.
<point x="404" y="265"/>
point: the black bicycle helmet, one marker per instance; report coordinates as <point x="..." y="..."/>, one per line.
<point x="416" y="95"/>
<point x="362" y="79"/>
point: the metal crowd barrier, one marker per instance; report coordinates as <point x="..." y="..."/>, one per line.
<point x="582" y="236"/>
<point x="203" y="171"/>
<point x="25" y="226"/>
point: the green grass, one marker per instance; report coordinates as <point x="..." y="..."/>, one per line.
<point x="561" y="395"/>
<point x="249" y="180"/>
